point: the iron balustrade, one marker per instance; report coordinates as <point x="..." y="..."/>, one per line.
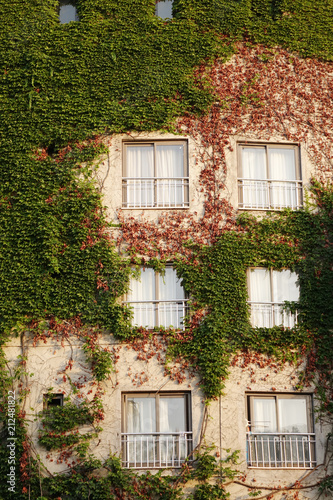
<point x="157" y="313"/>
<point x="155" y="192"/>
<point x="259" y="194"/>
<point x="155" y="449"/>
<point x="269" y="314"/>
<point x="285" y="450"/>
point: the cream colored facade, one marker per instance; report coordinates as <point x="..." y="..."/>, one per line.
<point x="227" y="423"/>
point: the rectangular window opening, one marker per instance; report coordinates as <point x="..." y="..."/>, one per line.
<point x="280" y="431"/>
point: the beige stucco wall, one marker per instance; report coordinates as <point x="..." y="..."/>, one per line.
<point x="226" y="425"/>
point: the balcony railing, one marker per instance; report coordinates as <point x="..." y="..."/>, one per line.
<point x="267" y="315"/>
<point x="256" y="194"/>
<point x="157" y="313"/>
<point x="154" y="192"/>
<point x="295" y="451"/>
<point x="155" y="449"/>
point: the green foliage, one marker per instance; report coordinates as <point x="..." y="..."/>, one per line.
<point x="101" y="360"/>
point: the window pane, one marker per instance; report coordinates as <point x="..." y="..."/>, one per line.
<point x="140" y="166"/>
<point x="172" y="414"/>
<point x="260" y="285"/>
<point x="169" y="285"/>
<point x="141" y="415"/>
<point x="264" y="415"/>
<point x="67" y="11"/>
<point x="254" y="163"/>
<point x="293" y="415"/>
<point x="284" y="286"/>
<point x="164" y="9"/>
<point x="142" y="294"/>
<point x="282" y="165"/>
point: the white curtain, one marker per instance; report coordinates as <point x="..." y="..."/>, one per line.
<point x="140" y="165"/>
<point x="170" y="313"/>
<point x="284" y="286"/>
<point x="264" y="415"/>
<point x="141" y="415"/>
<point x="143" y="290"/>
<point x="282" y="170"/>
<point x="170" y="173"/>
<point x="254" y="192"/>
<point x="293" y="415"/>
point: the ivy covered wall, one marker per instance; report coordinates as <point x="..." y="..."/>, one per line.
<point x="64" y="88"/>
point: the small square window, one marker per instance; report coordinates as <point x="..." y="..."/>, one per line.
<point x="156" y="430"/>
<point x="157" y="300"/>
<point x="163" y="9"/>
<point x="67" y="11"/>
<point x="155" y="175"/>
<point x="269" y="177"/>
<point x="51" y="400"/>
<point x="268" y="290"/>
<point x="280" y="431"/>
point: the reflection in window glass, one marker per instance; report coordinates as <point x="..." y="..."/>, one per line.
<point x="164" y="9"/>
<point x="67" y="11"/>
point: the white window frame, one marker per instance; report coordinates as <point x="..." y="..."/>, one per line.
<point x="145" y="192"/>
<point x="280" y="449"/>
<point x="156" y="450"/>
<point x="269" y="193"/>
<point x="269" y="312"/>
<point x="157" y="310"/>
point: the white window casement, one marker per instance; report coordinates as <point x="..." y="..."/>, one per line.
<point x="268" y="290"/>
<point x="163" y="9"/>
<point x="156" y="429"/>
<point x="67" y="11"/>
<point x="155" y="175"/>
<point x="280" y="431"/>
<point x="269" y="177"/>
<point x="157" y="299"/>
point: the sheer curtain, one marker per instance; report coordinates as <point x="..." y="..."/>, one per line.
<point x="170" y="173"/>
<point x="172" y="419"/>
<point x="284" y="289"/>
<point x="260" y="297"/>
<point x="255" y="192"/>
<point x="140" y="291"/>
<point x="282" y="170"/>
<point x="140" y="167"/>
<point x="293" y="415"/>
<point x="264" y="415"/>
<point x="163" y="9"/>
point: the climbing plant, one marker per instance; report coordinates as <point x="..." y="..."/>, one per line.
<point x="64" y="90"/>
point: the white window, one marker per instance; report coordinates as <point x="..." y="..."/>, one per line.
<point x="157" y="299"/>
<point x="163" y="9"/>
<point x="280" y="431"/>
<point x="268" y="290"/>
<point x="269" y="177"/>
<point x="67" y="11"/>
<point x="155" y="175"/>
<point x="156" y="429"/>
